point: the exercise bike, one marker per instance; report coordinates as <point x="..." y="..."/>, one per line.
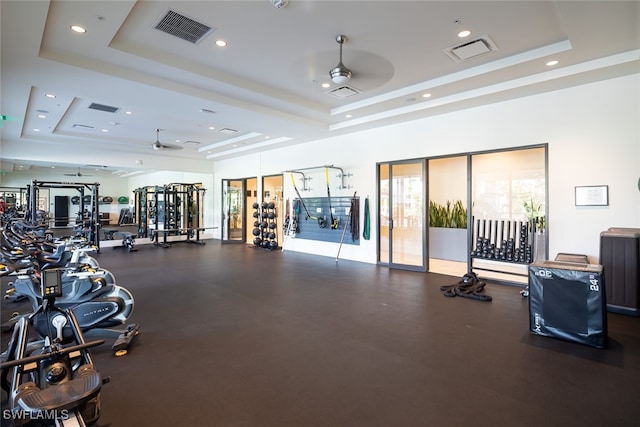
<point x="51" y="384"/>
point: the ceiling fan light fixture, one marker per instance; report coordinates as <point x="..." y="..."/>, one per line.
<point x="340" y="74"/>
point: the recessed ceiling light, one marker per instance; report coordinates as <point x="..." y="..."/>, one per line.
<point x="105" y="130"/>
<point x="211" y="128"/>
<point x="128" y="113"/>
<point x="36" y="130"/>
<point x="50" y="95"/>
<point x="348" y="116"/>
<point x="221" y="43"/>
<point x="78" y="29"/>
<point x="463" y="34"/>
<point x="426" y="95"/>
<point x="326" y="85"/>
<point x="42" y="116"/>
<point x="552" y="63"/>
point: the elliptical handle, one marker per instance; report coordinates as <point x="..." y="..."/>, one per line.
<point x="61" y="352"/>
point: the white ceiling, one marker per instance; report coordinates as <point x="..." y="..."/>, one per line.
<point x="266" y="84"/>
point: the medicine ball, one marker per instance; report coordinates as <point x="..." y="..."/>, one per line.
<point x="256" y="232"/>
<point x="255" y="205"/>
<point x="272" y="205"/>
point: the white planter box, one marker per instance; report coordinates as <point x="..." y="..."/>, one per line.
<point x="448" y="243"/>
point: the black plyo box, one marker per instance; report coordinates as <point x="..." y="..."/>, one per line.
<point x="568" y="301"/>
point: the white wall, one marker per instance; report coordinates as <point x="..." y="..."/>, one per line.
<point x="593" y="134"/>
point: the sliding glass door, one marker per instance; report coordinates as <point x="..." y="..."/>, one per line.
<point x="401" y="215"/>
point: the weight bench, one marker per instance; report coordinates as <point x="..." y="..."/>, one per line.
<point x="108" y="233"/>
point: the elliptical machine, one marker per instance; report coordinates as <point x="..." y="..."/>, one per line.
<point x="97" y="302"/>
<point x="51" y="385"/>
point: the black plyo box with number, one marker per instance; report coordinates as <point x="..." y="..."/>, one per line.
<point x="568" y="301"/>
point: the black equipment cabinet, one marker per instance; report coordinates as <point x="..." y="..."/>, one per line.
<point x="620" y="257"/>
<point x="61" y="209"/>
<point x="568" y="301"/>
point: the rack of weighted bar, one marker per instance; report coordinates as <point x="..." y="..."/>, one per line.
<point x="504" y="247"/>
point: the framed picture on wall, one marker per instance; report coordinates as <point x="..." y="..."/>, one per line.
<point x="592" y="195"/>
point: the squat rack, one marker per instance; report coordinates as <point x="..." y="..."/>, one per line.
<point x="93" y="227"/>
<point x="172" y="209"/>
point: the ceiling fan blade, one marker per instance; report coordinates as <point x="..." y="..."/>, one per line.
<point x="171" y="147"/>
<point x="159" y="146"/>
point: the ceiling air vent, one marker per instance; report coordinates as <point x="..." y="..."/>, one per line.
<point x="85" y="127"/>
<point x="471" y="49"/>
<point x="343" y="92"/>
<point x="102" y="107"/>
<point x="182" y="27"/>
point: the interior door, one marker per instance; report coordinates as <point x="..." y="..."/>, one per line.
<point x="402" y="216"/>
<point x="233" y="211"/>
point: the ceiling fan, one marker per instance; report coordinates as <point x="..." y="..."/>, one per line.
<point x="159" y="146"/>
<point x="77" y="174"/>
<point x="340" y="74"/>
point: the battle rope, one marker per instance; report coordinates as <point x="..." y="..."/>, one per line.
<point x="469" y="286"/>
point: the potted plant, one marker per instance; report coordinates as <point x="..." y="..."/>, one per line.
<point x="448" y="230"/>
<point x="537" y="226"/>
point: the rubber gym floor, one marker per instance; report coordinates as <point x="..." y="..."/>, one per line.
<point x="235" y="336"/>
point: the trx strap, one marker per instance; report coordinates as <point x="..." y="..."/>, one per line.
<point x="334" y="221"/>
<point x="300" y="198"/>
